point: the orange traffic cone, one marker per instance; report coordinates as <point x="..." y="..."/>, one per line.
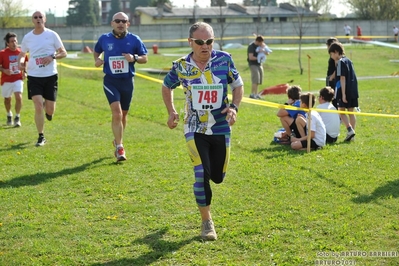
<point x="87" y="49"/>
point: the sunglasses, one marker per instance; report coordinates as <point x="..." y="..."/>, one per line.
<point x="36" y="17"/>
<point x="202" y="42"/>
<point x="120" y="20"/>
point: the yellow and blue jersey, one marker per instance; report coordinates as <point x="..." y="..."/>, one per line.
<point x="206" y="92"/>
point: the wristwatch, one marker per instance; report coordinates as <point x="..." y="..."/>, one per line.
<point x="232" y="105"/>
<point x="136" y="57"/>
<point x="53" y="56"/>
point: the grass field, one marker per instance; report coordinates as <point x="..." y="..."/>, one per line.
<point x="69" y="203"/>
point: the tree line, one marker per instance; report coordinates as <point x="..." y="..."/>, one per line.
<point x="86" y="12"/>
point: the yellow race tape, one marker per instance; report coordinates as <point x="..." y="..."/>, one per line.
<point x="275" y="105"/>
<point x="245" y="37"/>
<point x="245" y="99"/>
<point x="101" y="69"/>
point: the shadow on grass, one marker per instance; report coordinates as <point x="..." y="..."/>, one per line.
<point x="389" y="190"/>
<point x="159" y="248"/>
<point x="274" y="146"/>
<point x="279" y="147"/>
<point x="5" y="127"/>
<point x="18" y="146"/>
<point x="38" y="178"/>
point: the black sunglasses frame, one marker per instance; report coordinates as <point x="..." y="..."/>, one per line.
<point x="117" y="21"/>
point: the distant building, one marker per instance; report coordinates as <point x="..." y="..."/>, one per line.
<point x="232" y="13"/>
<point x="105" y="8"/>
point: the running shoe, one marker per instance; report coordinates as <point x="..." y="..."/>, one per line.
<point x="208" y="231"/>
<point x="49" y="117"/>
<point x="350" y="135"/>
<point x="120" y="154"/>
<point x="9" y="120"/>
<point x="17" y="122"/>
<point x="41" y="141"/>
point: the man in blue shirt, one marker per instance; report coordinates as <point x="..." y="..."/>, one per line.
<point x="121" y="51"/>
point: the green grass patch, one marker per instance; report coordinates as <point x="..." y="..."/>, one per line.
<point x="69" y="203"/>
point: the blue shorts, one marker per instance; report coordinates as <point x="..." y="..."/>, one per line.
<point x="119" y="90"/>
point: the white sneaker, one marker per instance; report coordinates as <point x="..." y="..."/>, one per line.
<point x="208" y="231"/>
<point x="350" y="135"/>
<point x="41" y="141"/>
<point x="120" y="154"/>
<point x="17" y="122"/>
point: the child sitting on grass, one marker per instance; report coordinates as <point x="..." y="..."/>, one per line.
<point x="317" y="128"/>
<point x="288" y="116"/>
<point x="331" y="119"/>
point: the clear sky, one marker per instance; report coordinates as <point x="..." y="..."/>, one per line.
<point x="60" y="7"/>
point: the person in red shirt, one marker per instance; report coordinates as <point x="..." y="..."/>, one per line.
<point x="359" y="31"/>
<point x="11" y="78"/>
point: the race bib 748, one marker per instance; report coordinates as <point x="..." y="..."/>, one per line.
<point x="207" y="96"/>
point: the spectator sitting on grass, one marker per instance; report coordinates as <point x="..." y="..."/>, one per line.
<point x="288" y="116"/>
<point x="317" y="128"/>
<point x="331" y="120"/>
